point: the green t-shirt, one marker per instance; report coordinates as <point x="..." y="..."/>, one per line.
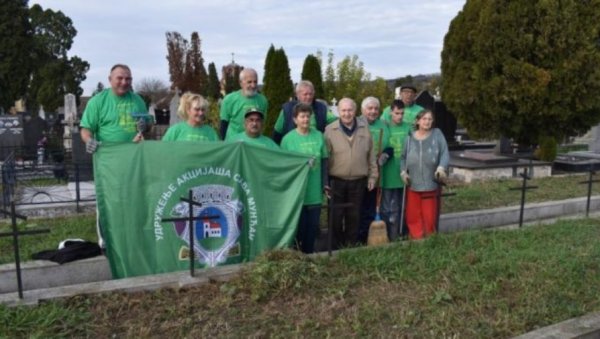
<point x="235" y="106"/>
<point x="312" y="144"/>
<point x="109" y="116"/>
<point x="313" y="121"/>
<point x="182" y="131"/>
<point x="391" y="170"/>
<point x="260" y="141"/>
<point x="410" y="114"/>
<point x="376" y="128"/>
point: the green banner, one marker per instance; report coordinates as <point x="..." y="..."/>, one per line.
<point x="254" y="194"/>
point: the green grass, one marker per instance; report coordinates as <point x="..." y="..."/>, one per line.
<point x="483" y="284"/>
<point x="78" y="226"/>
<point x="496" y="193"/>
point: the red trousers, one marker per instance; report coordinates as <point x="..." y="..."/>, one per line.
<point x="421" y="213"/>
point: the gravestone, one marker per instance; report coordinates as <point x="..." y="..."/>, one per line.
<point x="173" y="106"/>
<point x="11" y="134"/>
<point x="70" y="120"/>
<point x="162" y="116"/>
<point x="483" y="164"/>
<point x="34" y="131"/>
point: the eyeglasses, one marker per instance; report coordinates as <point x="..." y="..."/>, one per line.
<point x="198" y="109"/>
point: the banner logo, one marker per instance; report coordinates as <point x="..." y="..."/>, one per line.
<point x="216" y="237"/>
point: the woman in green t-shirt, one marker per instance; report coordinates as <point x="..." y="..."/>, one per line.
<point x="192" y="110"/>
<point x="307" y="140"/>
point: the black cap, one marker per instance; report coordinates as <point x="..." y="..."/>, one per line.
<point x="408" y="86"/>
<point x="254" y="110"/>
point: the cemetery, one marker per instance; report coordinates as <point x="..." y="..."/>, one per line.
<point x="208" y="241"/>
<point x="41" y="186"/>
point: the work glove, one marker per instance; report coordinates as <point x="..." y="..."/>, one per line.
<point x="92" y="145"/>
<point x="383" y="158"/>
<point x="440" y="174"/>
<point x="141" y="125"/>
<point x="405" y="178"/>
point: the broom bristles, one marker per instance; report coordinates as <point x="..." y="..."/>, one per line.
<point x="377" y="233"/>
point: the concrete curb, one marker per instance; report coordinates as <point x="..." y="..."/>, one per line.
<point x="504" y="216"/>
<point x="585" y="327"/>
<point x="145" y="283"/>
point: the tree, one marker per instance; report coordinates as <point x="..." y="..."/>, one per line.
<point x="213" y="89"/>
<point x="311" y="70"/>
<point x="330" y="80"/>
<point x="54" y="74"/>
<point x="350" y="78"/>
<point x="99" y="88"/>
<point x="377" y="88"/>
<point x="176" y="57"/>
<point x="152" y="88"/>
<point x="15" y="51"/>
<point x="186" y="65"/>
<point x="524" y="69"/>
<point x="278" y="86"/>
<point x="268" y="64"/>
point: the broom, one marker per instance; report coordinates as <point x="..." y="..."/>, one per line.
<point x="377" y="228"/>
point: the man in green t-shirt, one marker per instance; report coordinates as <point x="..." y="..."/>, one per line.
<point x="236" y="104"/>
<point x="408" y="95"/>
<point x="109" y="116"/>
<point x="305" y="94"/>
<point x="393" y="186"/>
<point x="253" y="126"/>
<point x="370" y="112"/>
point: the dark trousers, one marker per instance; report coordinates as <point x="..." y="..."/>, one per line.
<point x="367" y="214"/>
<point x="307" y="227"/>
<point x="346" y="220"/>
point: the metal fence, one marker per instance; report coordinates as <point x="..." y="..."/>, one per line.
<point x="47" y="178"/>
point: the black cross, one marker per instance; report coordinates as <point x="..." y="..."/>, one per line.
<point x="190" y="219"/>
<point x="523" y="189"/>
<point x="589" y="193"/>
<point x="15" y="233"/>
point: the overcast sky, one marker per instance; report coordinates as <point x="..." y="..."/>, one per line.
<point x="393" y="38"/>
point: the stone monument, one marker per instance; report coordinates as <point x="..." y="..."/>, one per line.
<point x="173" y="106"/>
<point x="70" y="121"/>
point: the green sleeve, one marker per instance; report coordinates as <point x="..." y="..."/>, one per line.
<point x="324" y="153"/>
<point x="225" y="112"/>
<point x="386" y="114"/>
<point x="90" y="117"/>
<point x="330" y="117"/>
<point x="279" y="123"/>
<point x="170" y="135"/>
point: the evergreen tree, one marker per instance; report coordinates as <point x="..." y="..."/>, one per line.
<point x="523" y="69"/>
<point x="278" y="87"/>
<point x="213" y="89"/>
<point x="15" y="48"/>
<point x="311" y="70"/>
<point x="54" y="73"/>
<point x="268" y="65"/>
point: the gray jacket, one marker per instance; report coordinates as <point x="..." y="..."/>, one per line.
<point x="421" y="158"/>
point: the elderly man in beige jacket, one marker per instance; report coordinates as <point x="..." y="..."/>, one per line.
<point x="352" y="167"/>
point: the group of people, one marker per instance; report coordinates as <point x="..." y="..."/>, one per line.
<point x="355" y="156"/>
